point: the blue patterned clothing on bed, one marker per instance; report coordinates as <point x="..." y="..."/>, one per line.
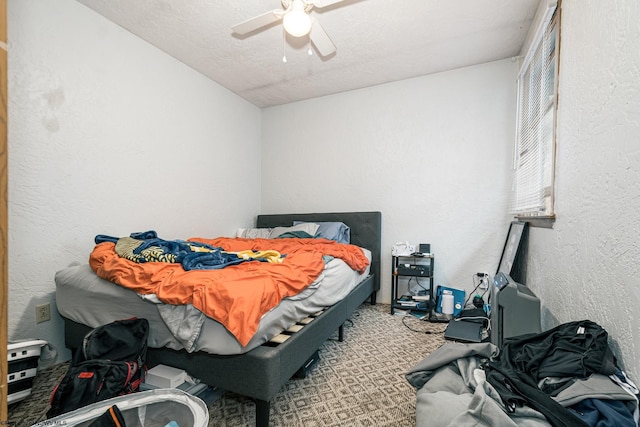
<point x="148" y="247"/>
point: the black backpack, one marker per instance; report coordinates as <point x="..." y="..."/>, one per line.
<point x="110" y="363"/>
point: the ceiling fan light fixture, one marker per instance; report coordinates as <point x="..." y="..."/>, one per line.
<point x="297" y="22"/>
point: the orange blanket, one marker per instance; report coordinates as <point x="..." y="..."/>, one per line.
<point x="236" y="296"/>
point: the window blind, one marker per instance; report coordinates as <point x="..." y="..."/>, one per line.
<point x="534" y="154"/>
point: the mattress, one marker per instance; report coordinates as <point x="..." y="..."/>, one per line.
<point x="85" y="298"/>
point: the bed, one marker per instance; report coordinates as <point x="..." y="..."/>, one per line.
<point x="257" y="368"/>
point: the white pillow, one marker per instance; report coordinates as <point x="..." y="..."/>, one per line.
<point x="254" y="233"/>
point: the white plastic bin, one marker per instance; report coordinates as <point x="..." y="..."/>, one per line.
<point x="22" y="361"/>
<point x="144" y="409"/>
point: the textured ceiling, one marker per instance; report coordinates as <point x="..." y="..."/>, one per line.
<point x="378" y="41"/>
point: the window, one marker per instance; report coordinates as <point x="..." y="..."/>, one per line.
<point x="534" y="154"/>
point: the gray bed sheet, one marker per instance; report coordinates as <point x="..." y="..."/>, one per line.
<point x="84" y="297"/>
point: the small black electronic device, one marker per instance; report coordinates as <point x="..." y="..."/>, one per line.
<point x="474" y="315"/>
<point x="424" y="248"/>
<point x="478" y="301"/>
<point x="461" y="330"/>
<point x="413" y="270"/>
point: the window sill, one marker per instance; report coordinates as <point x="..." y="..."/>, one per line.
<point x="545" y="221"/>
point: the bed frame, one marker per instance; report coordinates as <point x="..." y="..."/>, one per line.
<point x="261" y="372"/>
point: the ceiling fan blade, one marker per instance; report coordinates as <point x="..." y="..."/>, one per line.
<point x="258" y="22"/>
<point x="324" y="3"/>
<point x="320" y="39"/>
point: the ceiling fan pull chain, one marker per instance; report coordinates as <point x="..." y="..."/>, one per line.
<point x="284" y="45"/>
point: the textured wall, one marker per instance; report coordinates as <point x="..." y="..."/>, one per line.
<point x="107" y="135"/>
<point x="432" y="153"/>
<point x="588" y="266"/>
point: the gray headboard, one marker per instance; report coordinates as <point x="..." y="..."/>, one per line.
<point x="366" y="230"/>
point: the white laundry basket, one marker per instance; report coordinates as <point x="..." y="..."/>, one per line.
<point x="160" y="407"/>
<point x="22" y="358"/>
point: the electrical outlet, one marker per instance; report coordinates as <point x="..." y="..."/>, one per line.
<point x="484" y="280"/>
<point x="43" y="313"/>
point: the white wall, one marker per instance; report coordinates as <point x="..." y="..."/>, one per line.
<point x="432" y="153"/>
<point x="108" y="135"/>
<point x="588" y="265"/>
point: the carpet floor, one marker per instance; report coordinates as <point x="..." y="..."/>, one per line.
<point x="357" y="382"/>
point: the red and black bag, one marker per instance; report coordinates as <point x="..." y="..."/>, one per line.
<point x="110" y="363"/>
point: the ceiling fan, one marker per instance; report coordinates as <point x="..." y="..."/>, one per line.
<point x="296" y="21"/>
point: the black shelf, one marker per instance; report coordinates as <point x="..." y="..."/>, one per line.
<point x="404" y="270"/>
